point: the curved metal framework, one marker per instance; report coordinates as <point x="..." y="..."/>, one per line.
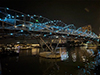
<point x="14" y="20"/>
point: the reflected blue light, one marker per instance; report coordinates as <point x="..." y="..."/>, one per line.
<point x="51" y="21"/>
<point x="21" y="30"/>
<point x="0" y="18"/>
<point x="57" y="27"/>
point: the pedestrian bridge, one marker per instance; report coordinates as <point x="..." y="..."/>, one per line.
<point x="14" y="22"/>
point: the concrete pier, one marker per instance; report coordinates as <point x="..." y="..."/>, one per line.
<point x="49" y="55"/>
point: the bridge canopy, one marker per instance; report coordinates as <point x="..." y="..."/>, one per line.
<point x="15" y="20"/>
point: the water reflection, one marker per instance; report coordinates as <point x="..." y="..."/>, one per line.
<point x="74" y="57"/>
<point x="64" y="54"/>
<point x="35" y="51"/>
<point x="0" y="68"/>
<point x="49" y="66"/>
<point x="75" y="61"/>
<point x="79" y="62"/>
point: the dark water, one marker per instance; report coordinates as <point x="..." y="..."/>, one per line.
<point x="74" y="61"/>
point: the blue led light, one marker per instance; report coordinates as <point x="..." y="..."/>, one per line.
<point x="54" y="20"/>
<point x="59" y="29"/>
<point x="35" y="15"/>
<point x="0" y="18"/>
<point x="8" y="14"/>
<point x="30" y="28"/>
<point x="11" y="33"/>
<point x="98" y="40"/>
<point x="7" y="8"/>
<point x="21" y="30"/>
<point x="31" y="16"/>
<point x="50" y="33"/>
<point x="78" y="66"/>
<point x="28" y="15"/>
<point x="44" y="35"/>
<point x="22" y="15"/>
<point x="17" y="16"/>
<point x="40" y="16"/>
<point x="12" y="16"/>
<point x="75" y="37"/>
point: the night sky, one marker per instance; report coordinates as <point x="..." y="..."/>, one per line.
<point x="79" y="13"/>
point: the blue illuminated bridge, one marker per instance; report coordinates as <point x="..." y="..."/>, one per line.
<point x="14" y="23"/>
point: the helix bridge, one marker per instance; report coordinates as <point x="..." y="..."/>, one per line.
<point x="14" y="23"/>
